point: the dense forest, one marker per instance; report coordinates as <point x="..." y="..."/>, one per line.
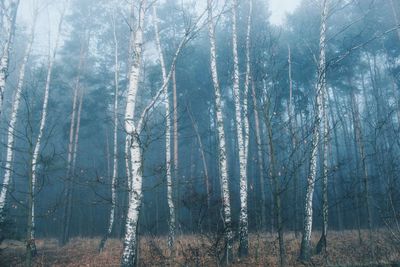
<point x="198" y="133"/>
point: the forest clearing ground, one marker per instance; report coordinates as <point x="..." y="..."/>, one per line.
<point x="344" y="249"/>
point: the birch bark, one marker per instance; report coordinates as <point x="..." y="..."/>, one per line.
<point x="322" y="243"/>
<point x="8" y="20"/>
<point x="222" y="155"/>
<point x="305" y="250"/>
<point x="243" y="217"/>
<point x="130" y="246"/>
<point x="115" y="145"/>
<point x="13" y="123"/>
<point x="129" y="254"/>
<point x="35" y="155"/>
<point x="168" y="165"/>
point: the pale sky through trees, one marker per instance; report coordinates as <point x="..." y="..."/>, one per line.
<point x="279" y="8"/>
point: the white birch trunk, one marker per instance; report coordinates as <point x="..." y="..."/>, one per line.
<point x="9" y="16"/>
<point x="115" y="148"/>
<point x="36" y="150"/>
<point x="171" y="207"/>
<point x="247" y="81"/>
<point x="321" y="246"/>
<point x="243" y="217"/>
<point x="305" y="252"/>
<point x="176" y="137"/>
<point x="13" y="123"/>
<point x="222" y="155"/>
<point x="128" y="165"/>
<point x="129" y="254"/>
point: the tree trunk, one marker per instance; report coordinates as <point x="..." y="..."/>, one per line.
<point x="305" y="250"/>
<point x="168" y="162"/>
<point x="176" y="135"/>
<point x="12" y="126"/>
<point x="243" y="217"/>
<point x="203" y="158"/>
<point x="292" y="127"/>
<point x="10" y="15"/>
<point x="130" y="247"/>
<point x="222" y="154"/>
<point x="322" y="243"/>
<point x="276" y="192"/>
<point x="72" y="151"/>
<point x="362" y="155"/>
<point x="260" y="159"/>
<point x="35" y="155"/>
<point x="115" y="148"/>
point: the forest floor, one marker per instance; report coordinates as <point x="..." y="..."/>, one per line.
<point x="344" y="249"/>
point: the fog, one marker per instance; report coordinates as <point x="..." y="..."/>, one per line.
<point x="199" y="133"/>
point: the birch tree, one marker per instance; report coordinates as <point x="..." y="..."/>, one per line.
<point x="9" y="16"/>
<point x="36" y="150"/>
<point x="115" y="139"/>
<point x="129" y="254"/>
<point x="222" y="154"/>
<point x="321" y="246"/>
<point x="168" y="165"/>
<point x="13" y="124"/>
<point x="241" y="136"/>
<point x="305" y="249"/>
<point x="133" y="130"/>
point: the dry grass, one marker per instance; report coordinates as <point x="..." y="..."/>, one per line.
<point x="344" y="249"/>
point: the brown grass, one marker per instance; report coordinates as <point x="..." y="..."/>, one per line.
<point x="344" y="249"/>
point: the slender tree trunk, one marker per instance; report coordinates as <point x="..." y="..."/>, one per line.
<point x="203" y="158"/>
<point x="176" y="135"/>
<point x="72" y="176"/>
<point x="115" y="148"/>
<point x="305" y="250"/>
<point x="322" y="243"/>
<point x="222" y="154"/>
<point x="260" y="159"/>
<point x="362" y="155"/>
<point x="35" y="155"/>
<point x="168" y="162"/>
<point x="243" y="217"/>
<point x="276" y="192"/>
<point x="71" y="153"/>
<point x="10" y="16"/>
<point x="12" y="126"/>
<point x="292" y="127"/>
<point x="339" y="168"/>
